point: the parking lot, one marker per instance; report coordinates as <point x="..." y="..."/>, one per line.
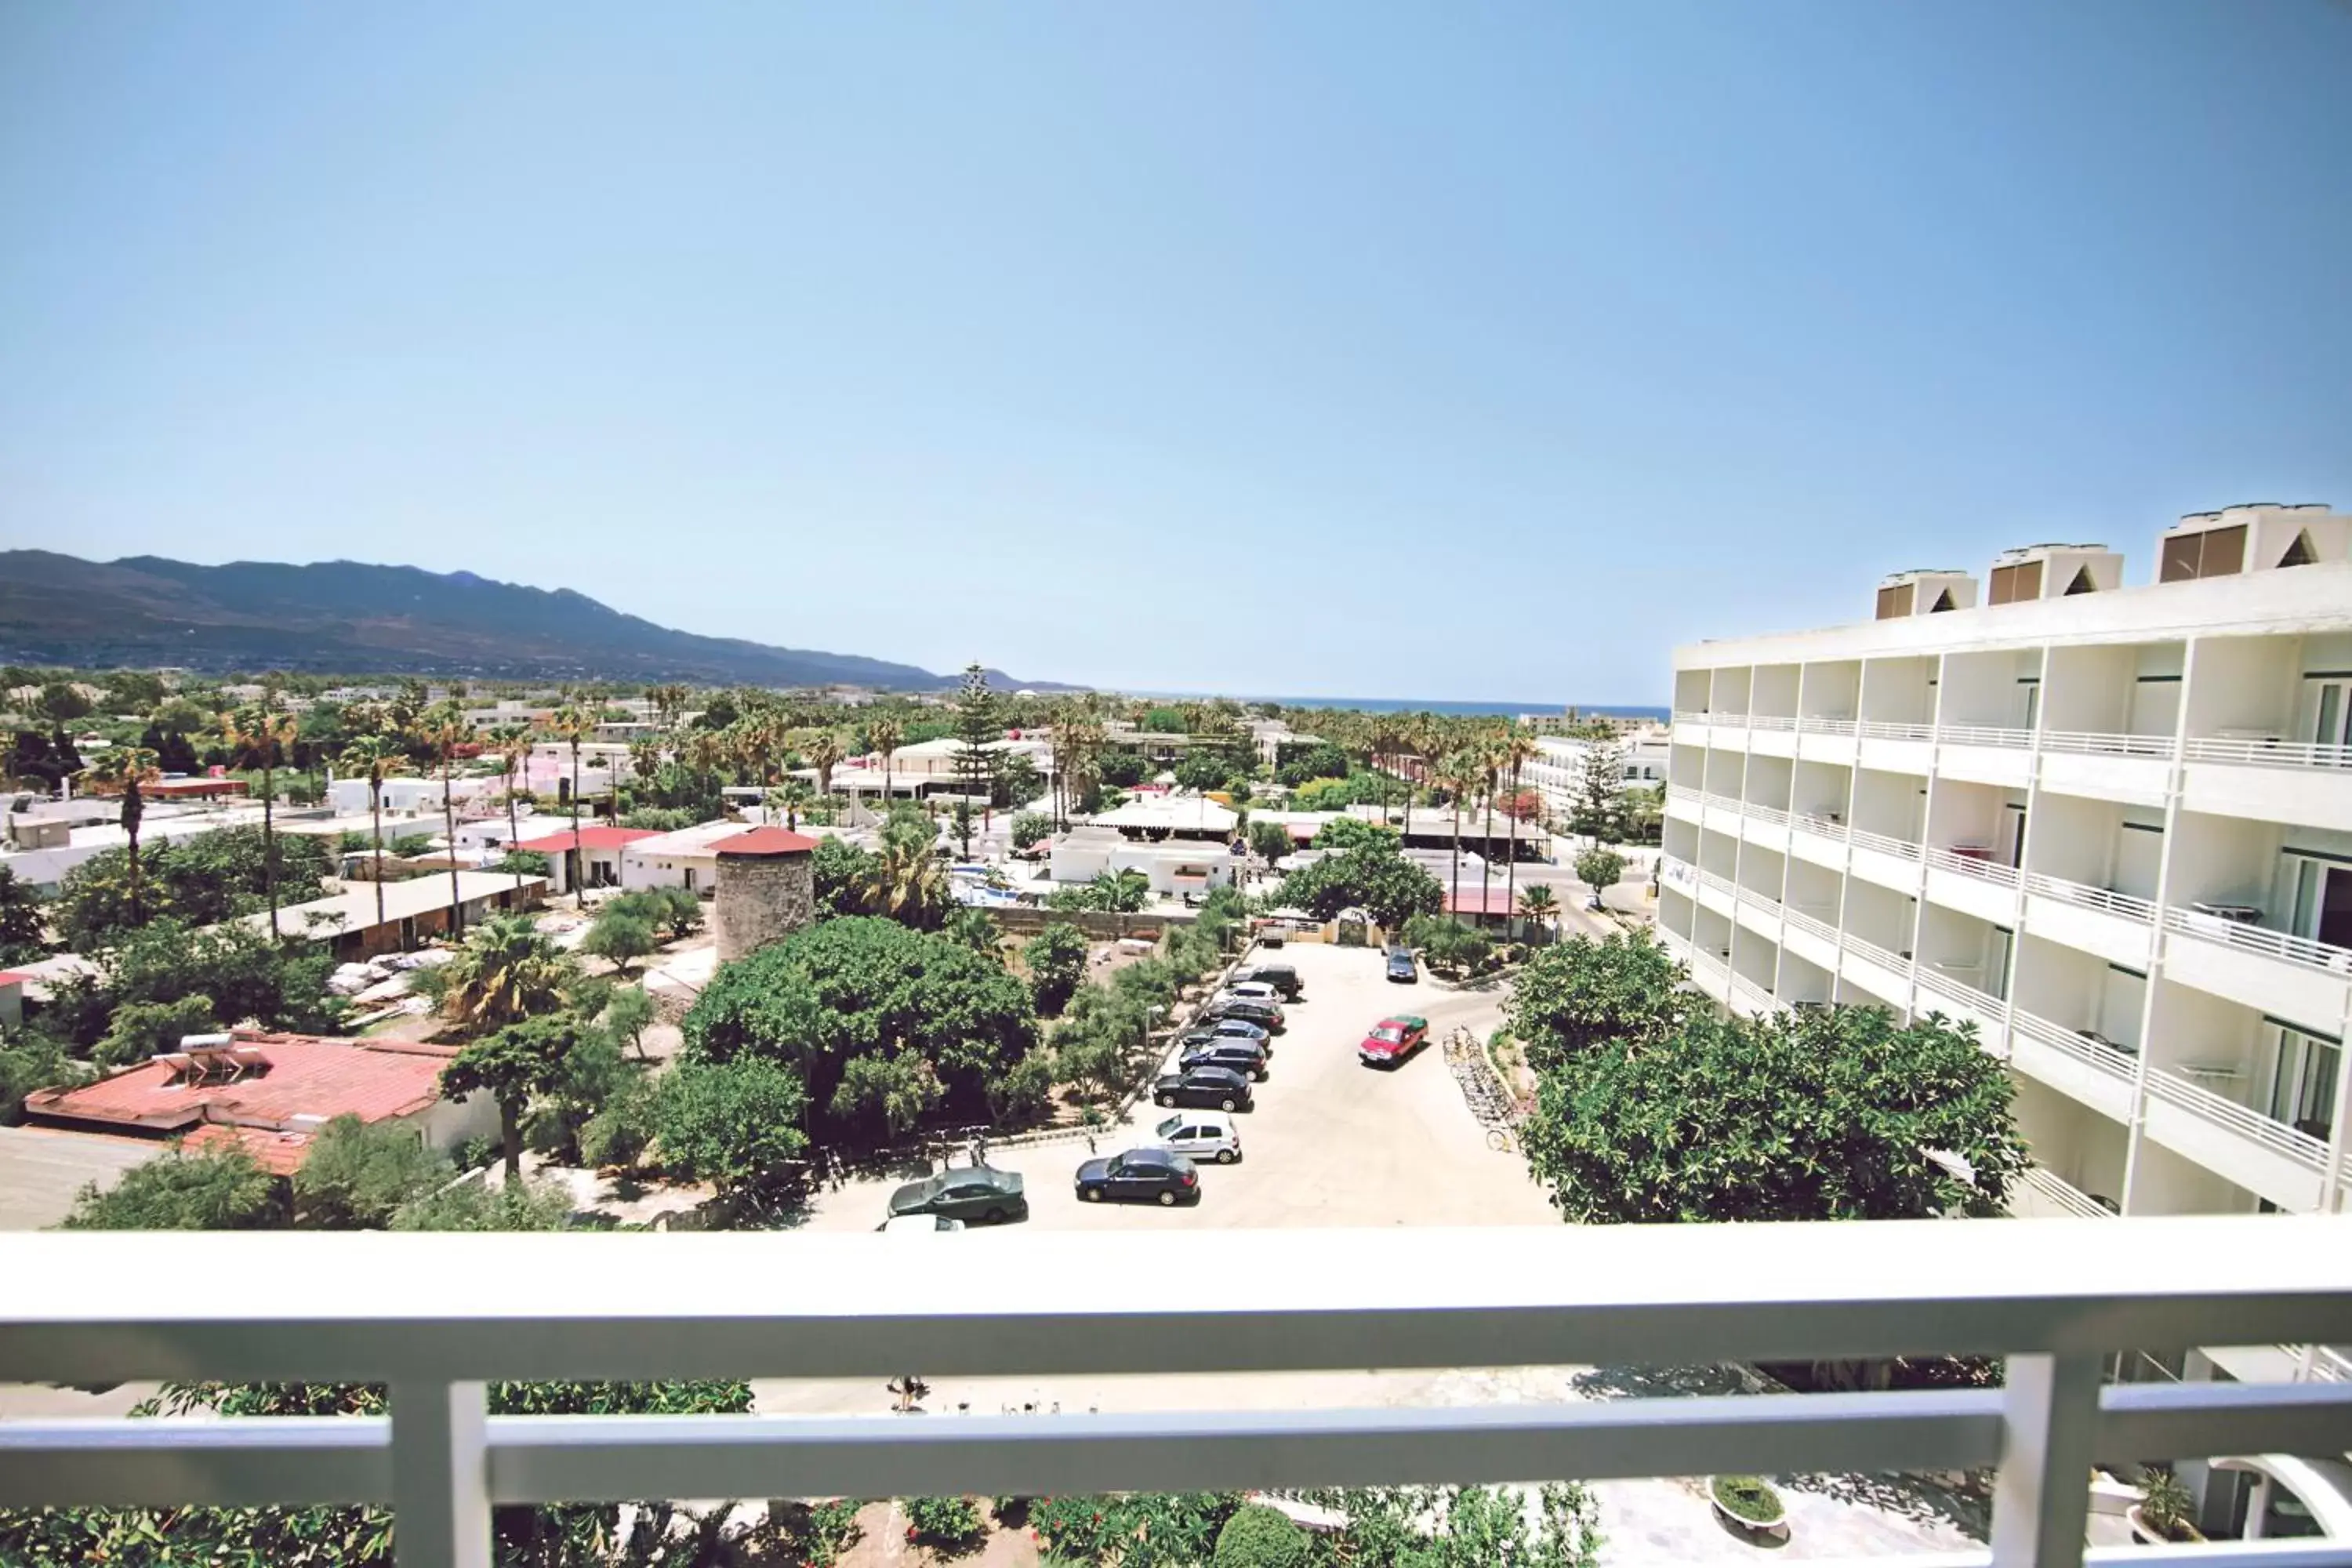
<point x="1331" y="1142"/>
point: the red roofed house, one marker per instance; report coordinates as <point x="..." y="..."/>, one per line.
<point x="1486" y="907"/>
<point x="271" y="1093"/>
<point x="598" y="858"/>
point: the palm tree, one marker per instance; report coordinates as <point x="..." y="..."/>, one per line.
<point x="512" y="743"/>
<point x="1453" y="774"/>
<point x="884" y="733"/>
<point x="574" y="723"/>
<point x="908" y="885"/>
<point x="669" y="704"/>
<point x="792" y="797"/>
<point x="128" y="769"/>
<point x="373" y="758"/>
<point x="1489" y="752"/>
<point x="1519" y="749"/>
<point x="442" y="729"/>
<point x="263" y="727"/>
<point x="704" y="751"/>
<point x="1539" y="904"/>
<point x="505" y="972"/>
<point x="823" y="749"/>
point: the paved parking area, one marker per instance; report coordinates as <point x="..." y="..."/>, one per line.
<point x="1331" y="1142"/>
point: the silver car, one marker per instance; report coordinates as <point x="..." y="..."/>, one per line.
<point x="1199" y="1135"/>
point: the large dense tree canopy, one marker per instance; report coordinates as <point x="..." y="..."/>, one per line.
<point x="1373" y="876"/>
<point x="862" y="987"/>
<point x="198" y="881"/>
<point x="1827" y="1114"/>
<point x="1582" y="993"/>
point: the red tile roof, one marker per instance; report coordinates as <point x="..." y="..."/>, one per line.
<point x="765" y="841"/>
<point x="10" y="978"/>
<point x="280" y="1153"/>
<point x="1496" y="901"/>
<point x="306" y="1082"/>
<point x="590" y="838"/>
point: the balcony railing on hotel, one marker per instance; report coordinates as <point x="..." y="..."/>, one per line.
<point x="1720" y="882"/>
<point x="1754" y="997"/>
<point x="2062" y="1195"/>
<point x="1772" y="720"/>
<point x="2108" y="1059"/>
<point x="1882" y="730"/>
<point x="1984" y="735"/>
<point x="1898" y="962"/>
<point x="2259" y="939"/>
<point x="1813" y="724"/>
<point x="2158" y="746"/>
<point x="1982" y="866"/>
<point x="1903" y="848"/>
<point x="2053" y="1299"/>
<point x="1930" y="978"/>
<point x="2275" y="1136"/>
<point x="2267" y="753"/>
<point x="1677" y="872"/>
<point x="1811" y="925"/>
<point x="2102" y="899"/>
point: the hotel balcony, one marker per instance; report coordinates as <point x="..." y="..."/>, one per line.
<point x="2283" y="1164"/>
<point x="2038" y="1195"/>
<point x="2259" y="776"/>
<point x="2078" y="1065"/>
<point x="2286" y="976"/>
<point x="2053" y="1300"/>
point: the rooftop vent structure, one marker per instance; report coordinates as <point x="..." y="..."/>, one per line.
<point x="2053" y="571"/>
<point x="1925" y="593"/>
<point x="2259" y="536"/>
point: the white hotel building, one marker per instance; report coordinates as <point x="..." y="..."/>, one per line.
<point x="2111" y="827"/>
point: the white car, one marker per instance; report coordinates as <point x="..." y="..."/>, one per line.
<point x="927" y="1224"/>
<point x="1252" y="990"/>
<point x="1199" y="1135"/>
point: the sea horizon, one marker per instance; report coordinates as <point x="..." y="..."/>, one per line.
<point x="1459" y="708"/>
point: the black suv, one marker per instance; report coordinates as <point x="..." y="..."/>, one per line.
<point x="1265" y="1015"/>
<point x="1281" y="977"/>
<point x="1244" y="1056"/>
<point x="1215" y="1088"/>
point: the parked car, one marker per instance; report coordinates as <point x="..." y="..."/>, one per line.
<point x="1401" y="965"/>
<point x="967" y="1193"/>
<point x="1281" y="977"/>
<point x="1392" y="1040"/>
<point x="1244" y="1056"/>
<point x="1200" y="1135"/>
<point x="1266" y="1015"/>
<point x="1140" y="1175"/>
<point x="1252" y="990"/>
<point x="1226" y="1029"/>
<point x="918" y="1224"/>
<point x="1220" y="1088"/>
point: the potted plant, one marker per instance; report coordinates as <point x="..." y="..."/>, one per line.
<point x="1745" y="1503"/>
<point x="2162" y="1513"/>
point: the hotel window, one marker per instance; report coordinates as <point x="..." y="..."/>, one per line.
<point x="2303" y="1081"/>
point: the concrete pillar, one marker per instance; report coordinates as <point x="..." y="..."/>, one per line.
<point x="766" y="890"/>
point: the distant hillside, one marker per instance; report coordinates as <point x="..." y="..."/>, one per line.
<point x="348" y="616"/>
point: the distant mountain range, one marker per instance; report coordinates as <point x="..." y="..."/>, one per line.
<point x="345" y="616"/>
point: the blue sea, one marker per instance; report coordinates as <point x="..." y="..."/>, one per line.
<point x="1428" y="705"/>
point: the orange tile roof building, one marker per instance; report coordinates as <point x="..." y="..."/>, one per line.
<point x="271" y="1093"/>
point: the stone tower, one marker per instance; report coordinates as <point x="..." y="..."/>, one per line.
<point x="766" y="889"/>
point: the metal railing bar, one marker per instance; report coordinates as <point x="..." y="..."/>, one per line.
<point x="244" y="1462"/>
<point x="616" y="1458"/>
<point x="2178" y="1420"/>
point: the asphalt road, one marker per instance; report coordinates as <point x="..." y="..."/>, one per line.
<point x="1331" y="1142"/>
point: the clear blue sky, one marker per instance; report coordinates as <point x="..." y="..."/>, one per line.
<point x="1448" y="352"/>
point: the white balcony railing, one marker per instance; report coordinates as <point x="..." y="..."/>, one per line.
<point x="1881" y="729"/>
<point x="2062" y="1195"/>
<point x="1720" y="882"/>
<point x="2268" y="753"/>
<point x="1764" y="901"/>
<point x="1771" y="721"/>
<point x="1898" y="962"/>
<point x="1984" y="735"/>
<point x="1932" y="979"/>
<point x="2158" y="746"/>
<point x="1697" y="716"/>
<point x="2115" y="1064"/>
<point x="2103" y="900"/>
<point x="2275" y="1136"/>
<point x="2053" y="1299"/>
<point x="1754" y="997"/>
<point x="1811" y="925"/>
<point x="2259" y="939"/>
<point x="1812" y="724"/>
<point x="1827" y="827"/>
<point x="1760" y="813"/>
<point x="1983" y="868"/>
<point x="1677" y="873"/>
<point x="1904" y="848"/>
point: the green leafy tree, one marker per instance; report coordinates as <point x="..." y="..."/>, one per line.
<point x="1581" y="993"/>
<point x="1354" y="833"/>
<point x="220" y="1188"/>
<point x="844" y="878"/>
<point x="736" y="1124"/>
<point x="1600" y="781"/>
<point x="1821" y="1114"/>
<point x="475" y="1205"/>
<point x="139" y="1029"/>
<point x="1056" y="959"/>
<point x="30" y="1060"/>
<point x="199" y="882"/>
<point x="1324" y="761"/>
<point x="1029" y="826"/>
<point x="1448" y="943"/>
<point x="127" y="771"/>
<point x="619" y="937"/>
<point x="1374" y="877"/>
<point x="629" y="1014"/>
<point x="358" y="1174"/>
<point x="264" y="730"/>
<point x="1270" y="841"/>
<point x="1260" y="1537"/>
<point x="978" y="728"/>
<point x="1204" y="771"/>
<point x="1123" y="767"/>
<point x="1124" y="892"/>
<point x="20" y="920"/>
<point x="1600" y="869"/>
<point x="510" y="1065"/>
<point x="376" y="758"/>
<point x="1539" y="904"/>
<point x="864" y="987"/>
<point x="891" y="1092"/>
<point x="949" y="1525"/>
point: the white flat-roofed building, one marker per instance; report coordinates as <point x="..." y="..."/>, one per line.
<point x="2110" y="826"/>
<point x="1557" y="769"/>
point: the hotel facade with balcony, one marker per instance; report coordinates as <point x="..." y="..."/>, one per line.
<point x="2110" y="827"/>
